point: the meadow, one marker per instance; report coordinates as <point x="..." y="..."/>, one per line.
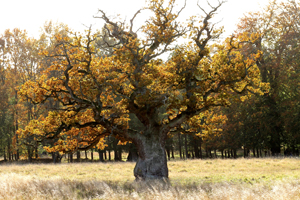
<point x="264" y="178"/>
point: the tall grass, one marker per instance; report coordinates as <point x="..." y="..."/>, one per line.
<point x="14" y="186"/>
<point x="192" y="179"/>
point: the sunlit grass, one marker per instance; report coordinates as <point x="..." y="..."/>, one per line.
<point x="267" y="178"/>
<point x="188" y="171"/>
<point x="234" y="170"/>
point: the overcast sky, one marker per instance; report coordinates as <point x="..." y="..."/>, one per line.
<point x="31" y="14"/>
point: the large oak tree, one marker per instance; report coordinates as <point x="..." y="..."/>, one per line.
<point x="132" y="94"/>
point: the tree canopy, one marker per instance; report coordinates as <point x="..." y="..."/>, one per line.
<point x="129" y="92"/>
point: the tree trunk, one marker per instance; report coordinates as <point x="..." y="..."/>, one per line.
<point x="100" y="155"/>
<point x="186" y="147"/>
<point x="215" y="152"/>
<point x="206" y="150"/>
<point x="266" y="153"/>
<point x="4" y="154"/>
<point x="116" y="155"/>
<point x="132" y="156"/>
<point x="78" y="156"/>
<point x="109" y="156"/>
<point x="152" y="161"/>
<point x="132" y="153"/>
<point x="260" y="152"/>
<point x="120" y="154"/>
<point x="179" y="145"/>
<point x="29" y="152"/>
<point x="172" y="152"/>
<point x="116" y="150"/>
<point x="200" y="149"/>
<point x="105" y="156"/>
<point x="36" y="152"/>
<point x="168" y="153"/>
<point x="196" y="150"/>
<point x="71" y="157"/>
<point x="92" y="154"/>
<point x="234" y="153"/>
<point x="56" y="157"/>
<point x="8" y="150"/>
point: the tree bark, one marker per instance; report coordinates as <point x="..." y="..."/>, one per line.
<point x="132" y="153"/>
<point x="196" y="149"/>
<point x="132" y="156"/>
<point x="152" y="161"/>
<point x="71" y="157"/>
<point x="36" y="152"/>
<point x="179" y="144"/>
<point x="260" y="152"/>
<point x="172" y="151"/>
<point x="200" y="148"/>
<point x="168" y="153"/>
<point x="4" y="154"/>
<point x="29" y="152"/>
<point x="78" y="156"/>
<point x="56" y="157"/>
<point x="109" y="155"/>
<point x="234" y="153"/>
<point x="186" y="147"/>
<point x="100" y="155"/>
<point x="105" y="156"/>
<point x="120" y="154"/>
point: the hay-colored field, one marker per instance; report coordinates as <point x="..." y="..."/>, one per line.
<point x="269" y="178"/>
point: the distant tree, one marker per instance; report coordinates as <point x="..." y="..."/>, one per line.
<point x="278" y="41"/>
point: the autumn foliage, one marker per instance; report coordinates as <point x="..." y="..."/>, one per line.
<point x="131" y="93"/>
<point x="150" y="87"/>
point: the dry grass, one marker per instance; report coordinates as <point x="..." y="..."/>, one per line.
<point x="235" y="170"/>
<point x="193" y="179"/>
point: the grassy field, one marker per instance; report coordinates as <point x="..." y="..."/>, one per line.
<point x="268" y="178"/>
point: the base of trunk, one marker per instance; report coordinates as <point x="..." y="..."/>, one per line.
<point x="150" y="169"/>
<point x="152" y="161"/>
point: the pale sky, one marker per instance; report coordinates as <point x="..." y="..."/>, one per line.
<point x="31" y="14"/>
